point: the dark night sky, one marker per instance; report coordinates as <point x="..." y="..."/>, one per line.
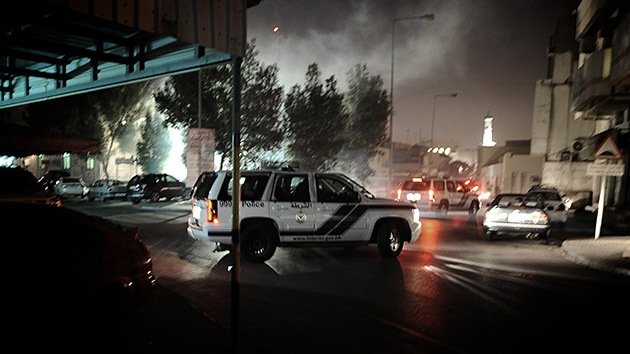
<point x="490" y="52"/>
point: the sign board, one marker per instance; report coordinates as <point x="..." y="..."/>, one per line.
<point x="199" y="153"/>
<point x="608" y="149"/>
<point x="602" y="169"/>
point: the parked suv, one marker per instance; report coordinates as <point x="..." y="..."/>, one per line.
<point x="154" y="186"/>
<point x="440" y="194"/>
<point x="293" y="208"/>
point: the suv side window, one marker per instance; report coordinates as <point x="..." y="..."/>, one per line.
<point x="331" y="190"/>
<point x="450" y="186"/>
<point x="252" y="187"/>
<point x="438" y="186"/>
<point x="202" y="186"/>
<point x="292" y="188"/>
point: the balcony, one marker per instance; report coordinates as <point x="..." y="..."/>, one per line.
<point x="620" y="73"/>
<point x="591" y="83"/>
<point x="588" y="14"/>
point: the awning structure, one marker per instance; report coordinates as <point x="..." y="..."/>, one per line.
<point x="54" y="48"/>
<point x="21" y="141"/>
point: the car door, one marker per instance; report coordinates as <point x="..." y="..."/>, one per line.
<point x="339" y="215"/>
<point x="291" y="205"/>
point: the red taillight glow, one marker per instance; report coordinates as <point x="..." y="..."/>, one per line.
<point x="431" y="195"/>
<point x="211" y="212"/>
<point x="399" y="193"/>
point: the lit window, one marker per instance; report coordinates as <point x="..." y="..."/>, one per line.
<point x="66" y="161"/>
<point x="89" y="163"/>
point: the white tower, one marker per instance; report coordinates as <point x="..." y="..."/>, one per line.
<point x="487" y="131"/>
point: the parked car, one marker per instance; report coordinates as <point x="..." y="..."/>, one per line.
<point x="81" y="278"/>
<point x="439" y="194"/>
<point x="106" y="189"/>
<point x="155" y="186"/>
<point x="71" y="187"/>
<point x="299" y="208"/>
<point x="50" y="178"/>
<point x="19" y="184"/>
<point x="555" y="203"/>
<point x="516" y="214"/>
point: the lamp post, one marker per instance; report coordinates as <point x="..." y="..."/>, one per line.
<point x="454" y="94"/>
<point x="428" y="17"/>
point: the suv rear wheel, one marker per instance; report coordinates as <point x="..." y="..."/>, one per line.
<point x="389" y="239"/>
<point x="259" y="242"/>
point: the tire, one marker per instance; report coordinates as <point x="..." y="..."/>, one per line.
<point x="135" y="200"/>
<point x="474" y="208"/>
<point x="259" y="243"/>
<point x="389" y="239"/>
<point x="489" y="235"/>
<point x="443" y="207"/>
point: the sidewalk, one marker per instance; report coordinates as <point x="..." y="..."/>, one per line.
<point x="610" y="252"/>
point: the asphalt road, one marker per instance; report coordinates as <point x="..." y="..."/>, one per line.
<point x="449" y="292"/>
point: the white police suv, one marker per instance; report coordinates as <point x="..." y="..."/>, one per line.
<point x="293" y="208"/>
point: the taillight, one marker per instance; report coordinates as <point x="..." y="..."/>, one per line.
<point x="431" y="195"/>
<point x="211" y="211"/>
<point x="399" y="193"/>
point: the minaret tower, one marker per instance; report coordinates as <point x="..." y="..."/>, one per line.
<point x="487" y="131"/>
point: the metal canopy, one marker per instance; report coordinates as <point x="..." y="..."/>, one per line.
<point x="50" y="49"/>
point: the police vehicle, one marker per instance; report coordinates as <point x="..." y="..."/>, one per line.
<point x="440" y="194"/>
<point x="295" y="208"/>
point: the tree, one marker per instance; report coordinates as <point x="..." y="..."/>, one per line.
<point x="105" y="115"/>
<point x="117" y="109"/>
<point x="314" y="121"/>
<point x="368" y="106"/>
<point x="261" y="103"/>
<point x="154" y="145"/>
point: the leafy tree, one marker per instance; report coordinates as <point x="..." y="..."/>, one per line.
<point x="369" y="106"/>
<point x="261" y="103"/>
<point x="315" y="119"/>
<point x="117" y="110"/>
<point x="154" y="144"/>
<point x="105" y="115"/>
<point x="262" y="99"/>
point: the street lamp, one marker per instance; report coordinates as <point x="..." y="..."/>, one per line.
<point x="433" y="116"/>
<point x="428" y="17"/>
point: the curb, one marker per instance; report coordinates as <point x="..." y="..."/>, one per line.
<point x="579" y="259"/>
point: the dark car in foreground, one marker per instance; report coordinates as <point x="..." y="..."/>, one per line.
<point x="79" y="278"/>
<point x="154" y="187"/>
<point x="516" y="214"/>
<point x="19" y="184"/>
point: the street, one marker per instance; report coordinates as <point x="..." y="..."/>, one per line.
<point x="449" y="292"/>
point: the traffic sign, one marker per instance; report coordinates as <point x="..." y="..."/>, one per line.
<point x="608" y="149"/>
<point x="604" y="169"/>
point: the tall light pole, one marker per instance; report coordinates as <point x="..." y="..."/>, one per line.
<point x="454" y="94"/>
<point x="428" y="17"/>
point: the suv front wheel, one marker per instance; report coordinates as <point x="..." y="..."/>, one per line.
<point x="389" y="239"/>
